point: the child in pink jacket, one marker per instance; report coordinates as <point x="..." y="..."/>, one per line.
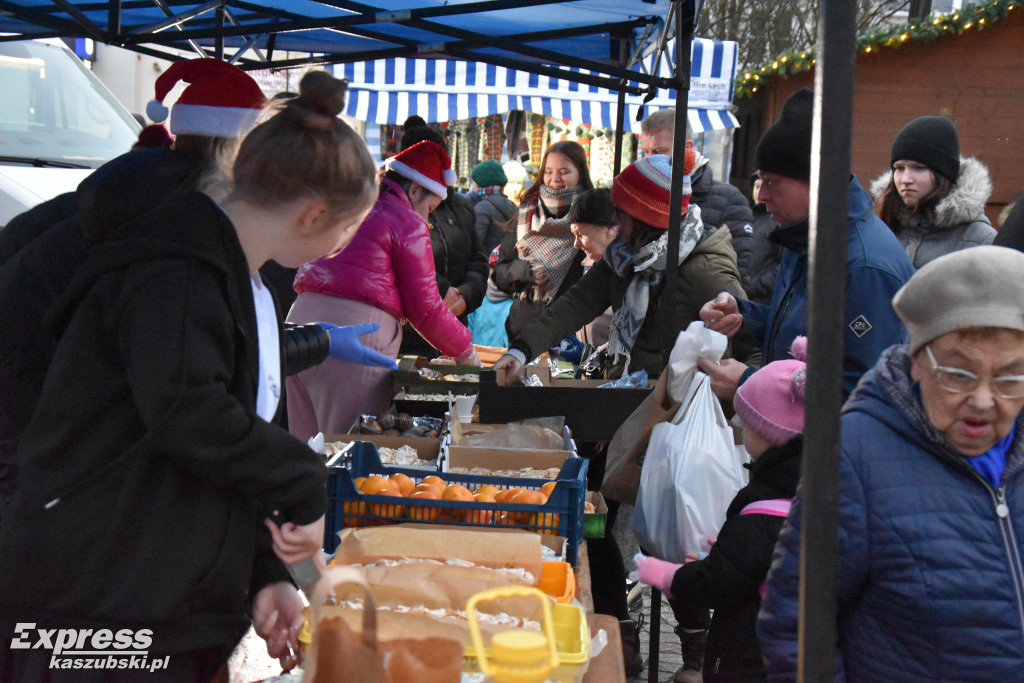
<point x="385" y="275"/>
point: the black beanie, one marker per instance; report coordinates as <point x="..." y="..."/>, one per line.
<point x="785" y="148"/>
<point x="932" y="141"/>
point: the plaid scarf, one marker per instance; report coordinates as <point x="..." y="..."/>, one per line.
<point x="646" y="269"/>
<point x="546" y="241"/>
<point x="490" y="189"/>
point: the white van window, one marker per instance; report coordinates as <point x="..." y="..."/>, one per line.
<point x="54" y="112"/>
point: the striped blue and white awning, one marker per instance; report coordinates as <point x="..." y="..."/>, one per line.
<point x="389" y="90"/>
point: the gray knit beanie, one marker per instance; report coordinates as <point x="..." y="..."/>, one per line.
<point x="974" y="287"/>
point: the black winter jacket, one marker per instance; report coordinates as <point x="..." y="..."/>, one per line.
<point x="728" y="580"/>
<point x="29" y="225"/>
<point x="765" y="258"/>
<point x="459" y="260"/>
<point x="145" y="472"/>
<point x="722" y="204"/>
<point x="40" y="271"/>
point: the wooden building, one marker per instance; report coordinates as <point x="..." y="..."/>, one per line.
<point x="975" y="77"/>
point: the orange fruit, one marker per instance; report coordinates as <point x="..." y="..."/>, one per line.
<point x="504" y="495"/>
<point x="405" y="484"/>
<point x="354" y="511"/>
<point x="492" y="491"/>
<point x="548" y="488"/>
<point x="436" y="482"/>
<point x="457" y="492"/>
<point x="388" y="514"/>
<point x="421" y="513"/>
<point x="375" y="484"/>
<point x="479" y="516"/>
<point x="359" y="481"/>
<point x="525" y="497"/>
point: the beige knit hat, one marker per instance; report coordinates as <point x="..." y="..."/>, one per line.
<point x="974" y="287"/>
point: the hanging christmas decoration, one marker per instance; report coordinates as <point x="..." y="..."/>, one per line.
<point x="971" y="17"/>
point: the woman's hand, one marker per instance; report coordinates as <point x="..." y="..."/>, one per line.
<point x="294" y="543"/>
<point x="511" y="365"/>
<point x="455" y="302"/>
<point x="277" y="618"/>
<point x="722" y="314"/>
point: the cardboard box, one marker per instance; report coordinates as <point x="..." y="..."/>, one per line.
<point x="427" y="447"/>
<point x="488" y="548"/>
<point x="457" y="454"/>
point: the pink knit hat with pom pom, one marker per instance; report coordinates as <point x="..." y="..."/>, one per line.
<point x="771" y="402"/>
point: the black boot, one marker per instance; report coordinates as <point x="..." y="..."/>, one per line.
<point x="693" y="656"/>
<point x="631" y="652"/>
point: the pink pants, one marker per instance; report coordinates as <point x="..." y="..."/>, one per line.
<point x="330" y="397"/>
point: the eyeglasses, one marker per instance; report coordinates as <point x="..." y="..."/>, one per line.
<point x="959" y="381"/>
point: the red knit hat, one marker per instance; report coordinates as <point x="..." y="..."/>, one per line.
<point x="426" y="163"/>
<point x="771" y="401"/>
<point x="221" y="100"/>
<point x="643" y="189"/>
<point x="154" y="135"/>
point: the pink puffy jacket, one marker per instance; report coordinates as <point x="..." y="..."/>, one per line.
<point x="389" y="264"/>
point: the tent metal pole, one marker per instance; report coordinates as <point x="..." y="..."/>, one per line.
<point x="684" y="12"/>
<point x="620" y="122"/>
<point x="620" y="114"/>
<point x="834" y="82"/>
<point x="218" y="42"/>
<point x="114" y="20"/>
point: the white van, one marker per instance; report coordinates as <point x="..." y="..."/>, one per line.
<point x="58" y="122"/>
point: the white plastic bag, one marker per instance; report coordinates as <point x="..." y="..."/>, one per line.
<point x="690" y="475"/>
<point x="692" y="344"/>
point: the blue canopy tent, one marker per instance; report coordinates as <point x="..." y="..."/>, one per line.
<point x="598" y="37"/>
<point x="388" y="90"/>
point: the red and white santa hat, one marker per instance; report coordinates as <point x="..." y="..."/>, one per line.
<point x="426" y="163"/>
<point x="220" y="101"/>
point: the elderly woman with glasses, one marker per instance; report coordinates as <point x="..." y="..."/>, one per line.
<point x="930" y="572"/>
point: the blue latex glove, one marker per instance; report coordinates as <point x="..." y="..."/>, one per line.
<point x="345" y="345"/>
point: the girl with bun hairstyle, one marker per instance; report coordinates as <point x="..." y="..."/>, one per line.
<point x="730" y="578"/>
<point x="150" y="465"/>
<point x="385" y="276"/>
<point x="933" y="198"/>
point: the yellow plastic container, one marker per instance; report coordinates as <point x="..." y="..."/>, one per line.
<point x="568" y="628"/>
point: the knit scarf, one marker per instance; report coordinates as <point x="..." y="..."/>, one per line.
<point x="545" y="240"/>
<point x="647" y="266"/>
<point x="490" y="189"/>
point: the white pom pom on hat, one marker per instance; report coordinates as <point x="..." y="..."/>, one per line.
<point x="426" y="163"/>
<point x="156" y="111"/>
<point x="221" y="100"/>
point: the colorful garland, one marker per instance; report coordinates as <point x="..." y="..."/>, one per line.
<point x="796" y="61"/>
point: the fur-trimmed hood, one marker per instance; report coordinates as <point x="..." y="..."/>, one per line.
<point x="965" y="204"/>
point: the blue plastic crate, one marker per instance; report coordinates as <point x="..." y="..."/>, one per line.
<point x="562" y="515"/>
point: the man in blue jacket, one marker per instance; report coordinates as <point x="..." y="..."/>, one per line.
<point x="876" y="265"/>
